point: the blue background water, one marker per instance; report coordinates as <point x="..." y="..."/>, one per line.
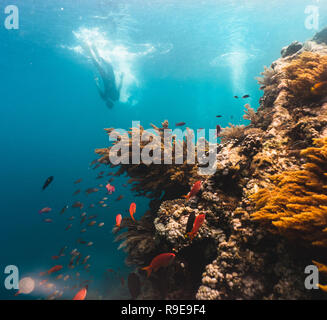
<point x="52" y="117"/>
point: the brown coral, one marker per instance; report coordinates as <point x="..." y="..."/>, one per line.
<point x="154" y="179"/>
<point x="297" y="204"/>
<point x="303" y="73"/>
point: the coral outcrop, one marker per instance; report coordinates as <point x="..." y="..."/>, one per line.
<point x="265" y="205"/>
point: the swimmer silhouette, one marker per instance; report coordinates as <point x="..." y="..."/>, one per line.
<point x="111" y="91"/>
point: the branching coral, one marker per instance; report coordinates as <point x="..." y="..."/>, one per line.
<point x="232" y="133"/>
<point x="267" y="78"/>
<point x="297" y="204"/>
<point x="303" y="73"/>
<point x="137" y="238"/>
<point x="250" y="114"/>
<point x="152" y="179"/>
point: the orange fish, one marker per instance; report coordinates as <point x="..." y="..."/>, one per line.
<point x="196" y="226"/>
<point x="194" y="190"/>
<point x="81" y="295"/>
<point x="55" y="269"/>
<point x="118" y="220"/>
<point x="162" y="260"/>
<point x="319" y="87"/>
<point x="132" y="210"/>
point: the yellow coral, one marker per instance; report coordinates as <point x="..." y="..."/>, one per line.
<point x="304" y="72"/>
<point x="296" y="205"/>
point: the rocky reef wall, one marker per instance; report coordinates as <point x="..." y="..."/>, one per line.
<point x="235" y="255"/>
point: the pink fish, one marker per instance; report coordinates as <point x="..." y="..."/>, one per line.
<point x="44" y="210"/>
<point x="110" y="188"/>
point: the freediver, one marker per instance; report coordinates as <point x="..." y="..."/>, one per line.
<point x="111" y="91"/>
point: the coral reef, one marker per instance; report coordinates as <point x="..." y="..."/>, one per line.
<point x="297" y="204"/>
<point x="153" y="180"/>
<point x="265" y="205"/>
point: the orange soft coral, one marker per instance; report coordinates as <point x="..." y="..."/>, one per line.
<point x="303" y="73"/>
<point x="296" y="205"/>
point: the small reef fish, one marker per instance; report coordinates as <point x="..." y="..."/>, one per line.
<point x="111" y="180"/>
<point x="78" y="181"/>
<point x="101" y="224"/>
<point x="92" y="217"/>
<point x="66" y="277"/>
<point x="43" y="282"/>
<point x="83" y="230"/>
<point x="319" y="87"/>
<point x="78" y="204"/>
<point x="55" y="257"/>
<point x="99" y="177"/>
<point x="194" y="190"/>
<point x="48" y="220"/>
<point x="72" y="218"/>
<point x="132" y="210"/>
<point x="81" y="241"/>
<point x="119" y="197"/>
<point x="47" y="182"/>
<point x="63" y="209"/>
<point x="91" y="190"/>
<point x="218" y="130"/>
<point x="68" y="227"/>
<point x="190" y="223"/>
<point x="118" y="220"/>
<point x="110" y="188"/>
<point x="197" y="224"/>
<point x="59" y="277"/>
<point x="97" y="166"/>
<point x="218" y="116"/>
<point x="161" y="260"/>
<point x="76" y="192"/>
<point x="134" y="285"/>
<point x="83" y="214"/>
<point x="179" y="124"/>
<point x="45" y="210"/>
<point x="62" y="251"/>
<point x="92" y="223"/>
<point x="236" y="97"/>
<point x="101" y="173"/>
<point x="55" y="269"/>
<point x="246" y="96"/>
<point x="83" y="219"/>
<point x="93" y="162"/>
<point x="81" y="295"/>
<point x="89" y="244"/>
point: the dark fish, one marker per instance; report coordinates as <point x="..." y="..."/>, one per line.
<point x="134" y="285"/>
<point x="68" y="227"/>
<point x="246" y="96"/>
<point x="236" y="97"/>
<point x="190" y="222"/>
<point x="78" y="204"/>
<point x="218" y="116"/>
<point x="92" y="217"/>
<point x="218" y="130"/>
<point x="83" y="219"/>
<point x="92" y="223"/>
<point x="110" y="174"/>
<point x="101" y="173"/>
<point x="76" y="192"/>
<point x="120" y="197"/>
<point x="97" y="166"/>
<point x="179" y="124"/>
<point x="91" y="190"/>
<point x="111" y="180"/>
<point x="47" y="182"/>
<point x="81" y="241"/>
<point x="62" y="251"/>
<point x="99" y="177"/>
<point x="63" y="209"/>
<point x="93" y="162"/>
<point x="77" y="181"/>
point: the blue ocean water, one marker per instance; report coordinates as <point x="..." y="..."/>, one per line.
<point x="182" y="61"/>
